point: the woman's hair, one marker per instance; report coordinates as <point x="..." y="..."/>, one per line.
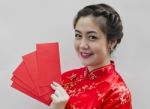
<point x="112" y="26"/>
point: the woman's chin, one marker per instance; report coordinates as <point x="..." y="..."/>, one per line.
<point x="86" y="63"/>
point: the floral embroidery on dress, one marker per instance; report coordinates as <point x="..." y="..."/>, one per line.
<point x="88" y="90"/>
<point x="124" y="94"/>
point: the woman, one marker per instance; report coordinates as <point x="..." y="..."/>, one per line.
<point x="98" y="30"/>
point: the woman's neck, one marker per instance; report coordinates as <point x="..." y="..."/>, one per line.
<point x="104" y="63"/>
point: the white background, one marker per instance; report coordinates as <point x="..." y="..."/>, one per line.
<point x="23" y="23"/>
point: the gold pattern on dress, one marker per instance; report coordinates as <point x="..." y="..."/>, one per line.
<point x="73" y="106"/>
<point x="100" y="95"/>
<point x="123" y="92"/>
<point x="73" y="76"/>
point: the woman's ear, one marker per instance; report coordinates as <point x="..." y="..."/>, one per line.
<point x="112" y="44"/>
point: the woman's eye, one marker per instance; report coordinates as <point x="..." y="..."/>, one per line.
<point x="77" y="36"/>
<point x="92" y="37"/>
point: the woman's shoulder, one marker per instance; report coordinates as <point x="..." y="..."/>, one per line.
<point x="119" y="92"/>
<point x="119" y="96"/>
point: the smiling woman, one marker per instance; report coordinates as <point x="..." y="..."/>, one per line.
<point x="97" y="85"/>
<point x="91" y="43"/>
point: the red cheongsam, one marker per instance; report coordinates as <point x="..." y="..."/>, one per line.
<point x="102" y="88"/>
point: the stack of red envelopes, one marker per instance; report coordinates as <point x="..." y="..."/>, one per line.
<point x="37" y="71"/>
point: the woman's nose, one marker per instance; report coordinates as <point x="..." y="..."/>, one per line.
<point x="84" y="44"/>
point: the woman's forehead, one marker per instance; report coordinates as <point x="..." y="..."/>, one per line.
<point x="90" y="23"/>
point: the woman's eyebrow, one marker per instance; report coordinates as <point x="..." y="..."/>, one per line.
<point x="77" y="31"/>
<point x="87" y="32"/>
<point x="91" y="32"/>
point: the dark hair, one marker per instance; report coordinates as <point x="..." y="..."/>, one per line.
<point x="113" y="26"/>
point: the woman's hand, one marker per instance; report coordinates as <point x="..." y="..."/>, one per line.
<point x="59" y="98"/>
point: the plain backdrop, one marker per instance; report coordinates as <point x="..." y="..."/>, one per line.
<point x="23" y="23"/>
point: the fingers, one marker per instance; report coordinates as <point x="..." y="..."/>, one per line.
<point x="57" y="93"/>
<point x="53" y="86"/>
<point x="58" y="87"/>
<point x="60" y="94"/>
<point x="54" y="98"/>
<point x="56" y="84"/>
<point x="59" y="97"/>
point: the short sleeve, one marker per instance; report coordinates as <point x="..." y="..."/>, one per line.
<point x="118" y="98"/>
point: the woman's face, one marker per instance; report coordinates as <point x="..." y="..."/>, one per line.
<point x="91" y="43"/>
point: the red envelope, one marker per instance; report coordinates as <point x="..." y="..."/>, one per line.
<point x="23" y="85"/>
<point x="31" y="65"/>
<point x="43" y="100"/>
<point x="48" y="63"/>
<point x="17" y="84"/>
<point x="22" y="74"/>
<point x="30" y="61"/>
<point x="37" y="71"/>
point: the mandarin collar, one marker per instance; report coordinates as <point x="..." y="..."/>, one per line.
<point x="101" y="71"/>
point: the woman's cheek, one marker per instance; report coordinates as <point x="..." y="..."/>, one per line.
<point x="76" y="46"/>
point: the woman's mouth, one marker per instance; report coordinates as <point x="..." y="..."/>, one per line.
<point x="85" y="54"/>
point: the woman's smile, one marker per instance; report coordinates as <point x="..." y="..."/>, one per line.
<point x="86" y="55"/>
